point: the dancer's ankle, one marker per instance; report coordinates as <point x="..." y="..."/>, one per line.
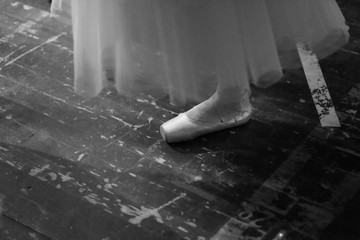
<point x="231" y="96"/>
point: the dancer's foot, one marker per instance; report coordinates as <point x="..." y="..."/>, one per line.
<point x="212" y="115"/>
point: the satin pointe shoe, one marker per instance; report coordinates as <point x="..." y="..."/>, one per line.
<point x="182" y="128"/>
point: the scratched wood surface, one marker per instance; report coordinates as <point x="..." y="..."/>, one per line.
<point x="75" y="168"/>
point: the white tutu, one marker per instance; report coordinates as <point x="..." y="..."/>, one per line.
<point x="182" y="47"/>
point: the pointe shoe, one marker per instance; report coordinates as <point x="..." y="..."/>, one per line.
<point x="182" y="128"/>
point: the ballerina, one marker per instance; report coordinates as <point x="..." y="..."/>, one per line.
<point x="204" y="51"/>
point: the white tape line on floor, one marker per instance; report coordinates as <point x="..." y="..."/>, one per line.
<point x="318" y="87"/>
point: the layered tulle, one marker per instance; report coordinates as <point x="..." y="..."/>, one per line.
<point x="183" y="47"/>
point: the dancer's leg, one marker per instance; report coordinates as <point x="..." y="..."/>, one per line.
<point x="229" y="106"/>
<point x="232" y="93"/>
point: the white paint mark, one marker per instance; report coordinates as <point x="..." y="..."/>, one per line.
<point x="150" y="119"/>
<point x="36" y="171"/>
<point x="103" y="137"/>
<point x="160" y="186"/>
<point x="4" y="149"/>
<point x="135" y="127"/>
<point x="347" y="135"/>
<point x="27" y="7"/>
<point x="318" y="87"/>
<point x="10" y="163"/>
<point x="51" y="96"/>
<point x="144" y="213"/>
<point x="351" y="111"/>
<point x="6" y="58"/>
<point x="31" y="31"/>
<point x="108" y="190"/>
<point x="65" y="48"/>
<point x="80" y="157"/>
<point x="140" y="114"/>
<point x="94" y="199"/>
<point x="197" y="178"/>
<point x="349" y="51"/>
<point x="182" y="229"/>
<point x="142" y="100"/>
<point x="121" y="144"/>
<point x="22" y="28"/>
<point x="349" y="151"/>
<point x="160" y="160"/>
<point x="33" y="235"/>
<point x="107" y="210"/>
<point x="85" y="109"/>
<point x="35" y="37"/>
<point x="139" y="152"/>
<point x="79" y="184"/>
<point x="95" y="174"/>
<point x="107" y="187"/>
<point x="153" y="103"/>
<point x="52" y="39"/>
<point x="53" y="176"/>
<point x="191" y="224"/>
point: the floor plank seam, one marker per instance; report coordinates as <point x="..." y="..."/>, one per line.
<point x="27" y="227"/>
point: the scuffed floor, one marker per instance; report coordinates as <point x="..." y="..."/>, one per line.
<point x="75" y="168"/>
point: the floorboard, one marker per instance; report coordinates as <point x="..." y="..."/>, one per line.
<point x="96" y="168"/>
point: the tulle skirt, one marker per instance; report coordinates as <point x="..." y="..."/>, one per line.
<point x="182" y="48"/>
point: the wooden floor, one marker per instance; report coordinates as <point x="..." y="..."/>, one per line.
<point x="75" y="168"/>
